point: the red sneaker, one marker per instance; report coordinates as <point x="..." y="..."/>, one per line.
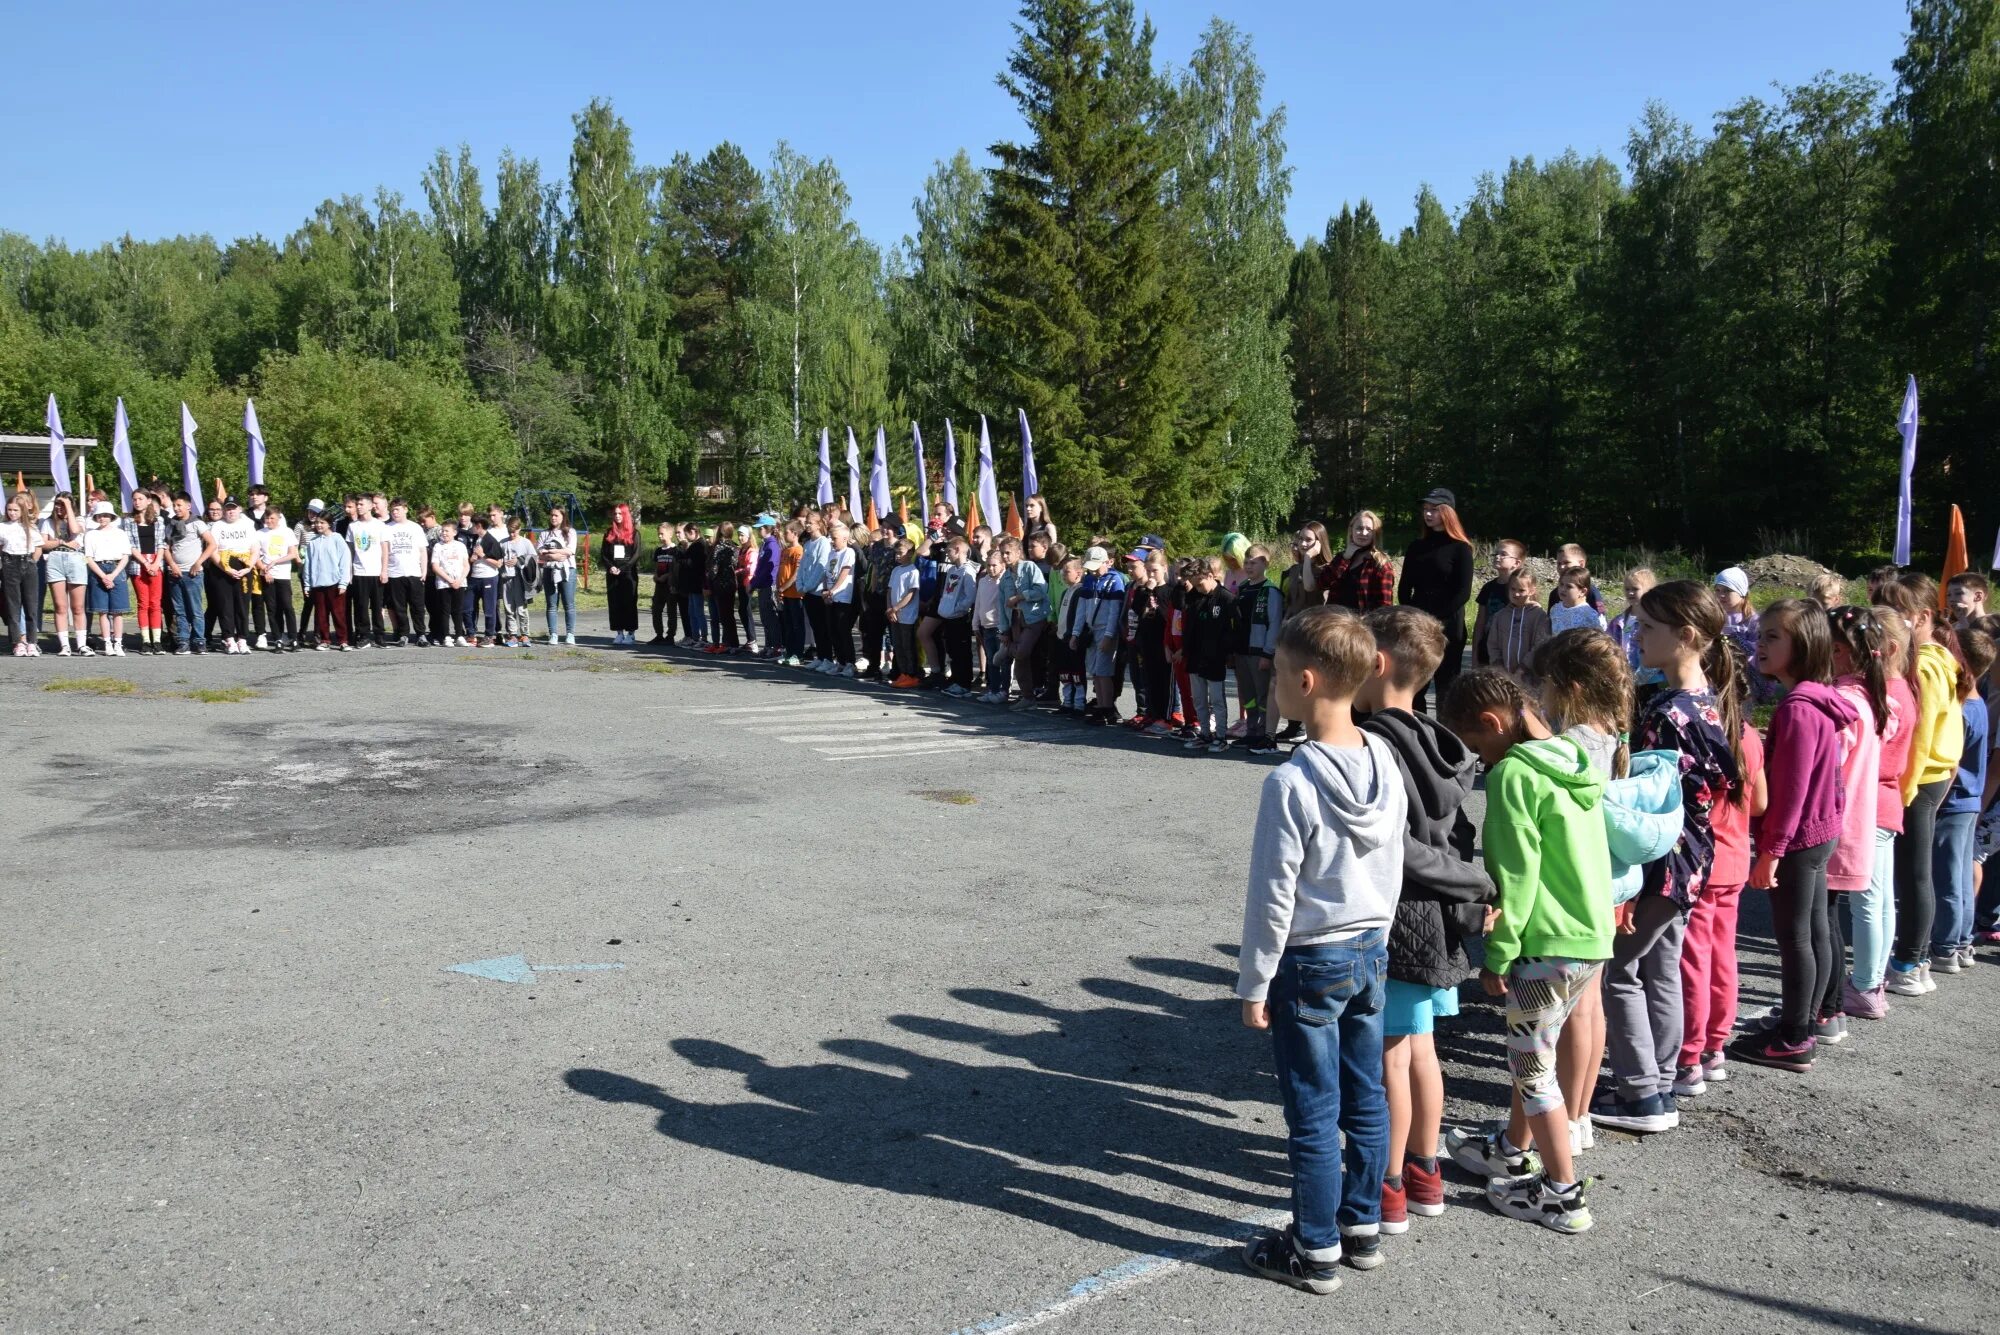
<point x="1424" y="1191"/>
<point x="1395" y="1218"/>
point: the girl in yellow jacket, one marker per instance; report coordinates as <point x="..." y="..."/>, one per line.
<point x="1937" y="741"/>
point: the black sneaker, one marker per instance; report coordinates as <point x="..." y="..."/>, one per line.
<point x="1645" y="1117"/>
<point x="1273" y="1256"/>
<point x="1769" y="1050"/>
<point x="1535" y="1200"/>
<point x="1363" y="1251"/>
<point x="1293" y="732"/>
<point x="1261" y="746"/>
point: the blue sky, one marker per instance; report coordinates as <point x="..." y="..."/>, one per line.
<point x="235" y="119"/>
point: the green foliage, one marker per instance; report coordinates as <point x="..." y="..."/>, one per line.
<point x="1705" y="352"/>
<point x="1077" y="321"/>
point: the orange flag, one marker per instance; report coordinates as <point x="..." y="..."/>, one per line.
<point x="903" y="508"/>
<point x="1954" y="557"/>
<point x="1014" y="518"/>
<point x="20" y="483"/>
<point x="220" y="494"/>
<point x="971" y="514"/>
<point x="871" y="514"/>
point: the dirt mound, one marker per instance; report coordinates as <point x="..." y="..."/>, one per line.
<point x="1790" y="572"/>
<point x="1543" y="568"/>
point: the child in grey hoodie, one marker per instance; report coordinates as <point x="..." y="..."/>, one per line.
<point x="1326" y="865"/>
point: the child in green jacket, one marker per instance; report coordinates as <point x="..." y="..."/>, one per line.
<point x="1549" y="934"/>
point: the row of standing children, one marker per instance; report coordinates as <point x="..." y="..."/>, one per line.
<point x="1628" y="807"/>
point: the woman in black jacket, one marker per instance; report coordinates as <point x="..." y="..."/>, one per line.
<point x="1437" y="577"/>
<point x="620" y="559"/>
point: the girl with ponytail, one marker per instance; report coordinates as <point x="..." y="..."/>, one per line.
<point x="1937" y="741"/>
<point x="1862" y="874"/>
<point x="1694" y="712"/>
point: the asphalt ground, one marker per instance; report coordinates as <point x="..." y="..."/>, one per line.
<point x="924" y="1024"/>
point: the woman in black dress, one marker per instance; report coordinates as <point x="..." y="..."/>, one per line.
<point x="1437" y="577"/>
<point x="620" y="561"/>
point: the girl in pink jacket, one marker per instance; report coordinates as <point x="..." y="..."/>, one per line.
<point x="1850" y="877"/>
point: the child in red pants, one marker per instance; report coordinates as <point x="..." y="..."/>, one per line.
<point x="1708" y="954"/>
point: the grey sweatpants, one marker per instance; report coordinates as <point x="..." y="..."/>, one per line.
<point x="1642" y="999"/>
<point x="1211" y="705"/>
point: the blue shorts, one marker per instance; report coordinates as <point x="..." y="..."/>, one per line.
<point x="1412" y="1008"/>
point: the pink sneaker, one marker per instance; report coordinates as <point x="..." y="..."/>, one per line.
<point x="1870" y="1005"/>
<point x="1240" y="728"/>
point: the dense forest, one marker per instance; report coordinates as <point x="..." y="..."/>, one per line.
<point x="1705" y="348"/>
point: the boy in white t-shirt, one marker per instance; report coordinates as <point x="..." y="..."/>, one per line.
<point x="905" y="589"/>
<point x="409" y="557"/>
<point x="368" y="540"/>
<point x="450" y="568"/>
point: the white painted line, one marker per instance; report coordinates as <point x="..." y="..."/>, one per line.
<point x="806" y="702"/>
<point x="857" y="735"/>
<point x="913" y="749"/>
<point x="815" y="718"/>
<point x="1124" y="1275"/>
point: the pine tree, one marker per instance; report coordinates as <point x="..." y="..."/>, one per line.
<point x="1077" y="321"/>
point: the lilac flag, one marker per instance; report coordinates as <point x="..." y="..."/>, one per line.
<point x="121" y="453"/>
<point x="1996" y="551"/>
<point x="950" y="469"/>
<point x="825" y="493"/>
<point x="923" y="477"/>
<point x="989" y="496"/>
<point x="1031" y="482"/>
<point x="256" y="434"/>
<point x="1906" y="422"/>
<point x="878" y="478"/>
<point x="58" y="462"/>
<point x="190" y="467"/>
<point x="853" y="478"/>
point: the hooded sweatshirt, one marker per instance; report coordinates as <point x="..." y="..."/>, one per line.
<point x="1545" y="845"/>
<point x="1860" y="777"/>
<point x="1642" y="817"/>
<point x="1937" y="740"/>
<point x="1895" y="755"/>
<point x="1326" y="860"/>
<point x="1802" y="769"/>
<point x="1442" y="887"/>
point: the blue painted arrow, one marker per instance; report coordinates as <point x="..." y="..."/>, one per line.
<point x="516" y="969"/>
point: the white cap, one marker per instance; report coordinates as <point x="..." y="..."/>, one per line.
<point x="1736" y="580"/>
<point x="1096" y="558"/>
<point x="315" y="505"/>
<point x="103" y="508"/>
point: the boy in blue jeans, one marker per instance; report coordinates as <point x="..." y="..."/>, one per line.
<point x="1326" y="864"/>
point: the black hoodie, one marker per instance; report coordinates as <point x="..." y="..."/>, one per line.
<point x="1443" y="888"/>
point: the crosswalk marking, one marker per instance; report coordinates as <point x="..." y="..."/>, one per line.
<point x="912" y="749"/>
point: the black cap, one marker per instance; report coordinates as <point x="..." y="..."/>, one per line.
<point x="229" y="502"/>
<point x="1441" y="496"/>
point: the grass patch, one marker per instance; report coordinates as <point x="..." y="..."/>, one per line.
<point x="93" y="686"/>
<point x="218" y="695"/>
<point x="951" y="797"/>
<point x="659" y="669"/>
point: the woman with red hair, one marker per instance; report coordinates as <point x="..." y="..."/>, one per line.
<point x="620" y="559"/>
<point x="1437" y="577"/>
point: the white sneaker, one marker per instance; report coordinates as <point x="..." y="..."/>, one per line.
<point x="63" y="651"/>
<point x="86" y="651"/>
<point x="569" y="639"/>
<point x="261" y="644"/>
<point x="860" y="665"/>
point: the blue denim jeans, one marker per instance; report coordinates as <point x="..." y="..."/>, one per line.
<point x="694" y="606"/>
<point x="184" y="597"/>
<point x="1871" y="917"/>
<point x="1951" y="872"/>
<point x="1326" y="1028"/>
<point x="559" y="591"/>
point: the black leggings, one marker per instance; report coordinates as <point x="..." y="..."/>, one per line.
<point x="725" y="616"/>
<point x="822" y="634"/>
<point x="1831" y="1001"/>
<point x="17" y="583"/>
<point x="1916" y="896"/>
<point x="1800" y="922"/>
<point x="1448" y="667"/>
<point x="841" y="630"/>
